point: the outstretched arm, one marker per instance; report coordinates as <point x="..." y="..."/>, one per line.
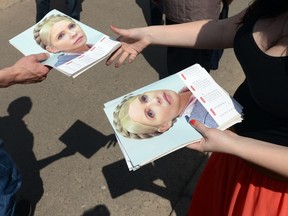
<point x="205" y="34"/>
<point x="267" y="155"/>
<point x="26" y="70"/>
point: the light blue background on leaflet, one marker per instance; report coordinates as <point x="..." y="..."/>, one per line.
<point x="26" y="44"/>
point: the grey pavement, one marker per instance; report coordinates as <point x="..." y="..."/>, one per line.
<point x="61" y="139"/>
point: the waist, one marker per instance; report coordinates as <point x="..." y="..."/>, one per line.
<point x="268" y="173"/>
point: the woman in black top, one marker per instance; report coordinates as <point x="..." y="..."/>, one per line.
<point x="248" y="171"/>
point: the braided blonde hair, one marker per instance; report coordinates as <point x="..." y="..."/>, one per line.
<point x="42" y="30"/>
<point x="129" y="128"/>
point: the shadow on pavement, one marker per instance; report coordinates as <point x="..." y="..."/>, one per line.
<point x="85" y="140"/>
<point x="99" y="210"/>
<point x="166" y="177"/>
<point x="19" y="143"/>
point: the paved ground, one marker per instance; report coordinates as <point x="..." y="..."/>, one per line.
<point x="58" y="134"/>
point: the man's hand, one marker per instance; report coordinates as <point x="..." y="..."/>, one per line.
<point x="26" y="70"/>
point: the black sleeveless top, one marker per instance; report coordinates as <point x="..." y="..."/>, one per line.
<point x="264" y="93"/>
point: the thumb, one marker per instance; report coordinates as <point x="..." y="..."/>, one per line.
<point x="121" y="32"/>
<point x="41" y="56"/>
<point x="199" y="126"/>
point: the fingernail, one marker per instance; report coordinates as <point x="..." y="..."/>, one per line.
<point x="192" y="122"/>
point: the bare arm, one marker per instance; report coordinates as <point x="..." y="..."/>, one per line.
<point x="26" y="70"/>
<point x="267" y="155"/>
<point x="205" y="34"/>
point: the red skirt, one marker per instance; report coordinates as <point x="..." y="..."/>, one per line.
<point x="231" y="186"/>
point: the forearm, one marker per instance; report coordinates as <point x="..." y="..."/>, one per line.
<point x="184" y="35"/>
<point x="6" y="77"/>
<point x="264" y="154"/>
<point x="26" y="70"/>
<point x="204" y="34"/>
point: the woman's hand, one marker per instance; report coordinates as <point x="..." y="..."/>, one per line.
<point x="133" y="42"/>
<point x="213" y="140"/>
<point x="262" y="154"/>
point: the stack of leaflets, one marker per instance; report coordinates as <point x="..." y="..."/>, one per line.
<point x="72" y="64"/>
<point x="209" y="103"/>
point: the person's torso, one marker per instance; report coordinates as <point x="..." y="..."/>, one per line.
<point x="264" y="91"/>
<point x="182" y="11"/>
<point x="267" y="76"/>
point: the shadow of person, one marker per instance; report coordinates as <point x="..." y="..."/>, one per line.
<point x="19" y="144"/>
<point x="99" y="210"/>
<point x="154" y="55"/>
<point x="166" y="177"/>
<point x="19" y="141"/>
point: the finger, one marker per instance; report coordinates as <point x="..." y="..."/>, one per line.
<point x="122" y="58"/>
<point x="121" y="32"/>
<point x="42" y="78"/>
<point x="42" y="56"/>
<point x="194" y="145"/>
<point x="198" y="146"/>
<point x="43" y="70"/>
<point x="114" y="29"/>
<point x="201" y="128"/>
<point x="132" y="57"/>
<point x="113" y="56"/>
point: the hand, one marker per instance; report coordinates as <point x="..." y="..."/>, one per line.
<point x="133" y="42"/>
<point x="110" y="141"/>
<point x="214" y="140"/>
<point x="26" y="70"/>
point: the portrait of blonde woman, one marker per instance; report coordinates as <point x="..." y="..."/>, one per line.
<point x="72" y="45"/>
<point x="152" y="113"/>
<point x="61" y="34"/>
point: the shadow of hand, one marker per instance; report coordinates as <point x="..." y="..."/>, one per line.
<point x="111" y="141"/>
